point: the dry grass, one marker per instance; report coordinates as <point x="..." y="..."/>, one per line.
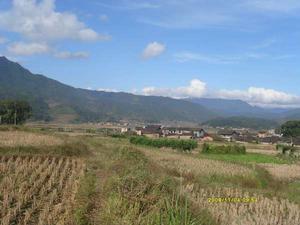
<point x="268" y="147"/>
<point x="75" y="134"/>
<point x="284" y="171"/>
<point x="38" y="190"/>
<point x="20" y="138"/>
<point x="186" y="164"/>
<point x="265" y="211"/>
<point x="263" y="151"/>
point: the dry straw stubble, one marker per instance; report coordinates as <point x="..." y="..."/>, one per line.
<point x="38" y="190"/>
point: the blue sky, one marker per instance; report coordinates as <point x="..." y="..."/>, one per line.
<point x="241" y="49"/>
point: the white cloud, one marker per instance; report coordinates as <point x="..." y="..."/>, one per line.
<point x="36" y="48"/>
<point x="107" y="90"/>
<point x="190" y="56"/>
<point x="265" y="44"/>
<point x="182" y="14"/>
<point x="39" y="20"/>
<point x="102" y="89"/>
<point x="153" y="49"/>
<point x="184" y="20"/>
<point x="283" y="6"/>
<point x="3" y="40"/>
<point x="129" y="5"/>
<point x="183" y="57"/>
<point x="27" y="49"/>
<point x="196" y="89"/>
<point x="261" y="96"/>
<point x="143" y="5"/>
<point x="253" y="95"/>
<point x="103" y="18"/>
<point x="71" y="55"/>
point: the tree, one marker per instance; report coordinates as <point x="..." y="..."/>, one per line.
<point x="14" y="112"/>
<point x="291" y="129"/>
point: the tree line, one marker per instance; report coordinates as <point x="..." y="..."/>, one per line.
<point x="14" y="111"/>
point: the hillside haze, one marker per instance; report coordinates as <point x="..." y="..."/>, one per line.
<point x="52" y="100"/>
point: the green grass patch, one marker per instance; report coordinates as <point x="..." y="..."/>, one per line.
<point x="84" y="202"/>
<point x="246" y="158"/>
<point x="177" y="211"/>
<point x="294" y="191"/>
<point x="136" y="191"/>
<point x="229" y="181"/>
<point x="260" y="182"/>
<point x="183" y="145"/>
<point x="223" y="149"/>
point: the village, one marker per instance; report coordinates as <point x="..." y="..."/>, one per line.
<point x="209" y="134"/>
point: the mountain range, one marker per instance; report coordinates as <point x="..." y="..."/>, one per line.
<point x="239" y="108"/>
<point x="54" y="101"/>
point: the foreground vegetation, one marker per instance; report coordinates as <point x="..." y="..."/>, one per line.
<point x="223" y="149"/>
<point x="184" y="145"/>
<point x="251" y="209"/>
<point x="118" y="185"/>
<point x="206" y="179"/>
<point x="38" y="190"/>
<point x="82" y="180"/>
<point x="237" y="154"/>
<point x="247" y="158"/>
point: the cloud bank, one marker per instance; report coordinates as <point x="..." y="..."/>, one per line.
<point x="195" y="89"/>
<point x="253" y="95"/>
<point x="39" y="24"/>
<point x="71" y="55"/>
<point x="38" y="20"/>
<point x="262" y="97"/>
<point x="26" y="49"/>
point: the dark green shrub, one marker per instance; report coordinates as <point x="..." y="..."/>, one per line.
<point x="118" y="136"/>
<point x="184" y="145"/>
<point x="286" y="148"/>
<point x="282" y="148"/>
<point x="90" y="131"/>
<point x="223" y="149"/>
<point x="60" y="129"/>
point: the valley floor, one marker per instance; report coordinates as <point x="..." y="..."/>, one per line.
<point x="57" y="178"/>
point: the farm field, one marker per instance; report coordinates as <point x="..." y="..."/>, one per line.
<point x="50" y="177"/>
<point x="38" y="189"/>
<point x="249" y="158"/>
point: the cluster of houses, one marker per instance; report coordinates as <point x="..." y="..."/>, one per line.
<point x="268" y="137"/>
<point x="156" y="131"/>
<point x="230" y="135"/>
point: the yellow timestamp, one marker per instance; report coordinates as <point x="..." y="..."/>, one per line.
<point x="232" y="200"/>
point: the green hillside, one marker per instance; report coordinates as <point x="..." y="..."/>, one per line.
<point x="242" y="122"/>
<point x="52" y="100"/>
